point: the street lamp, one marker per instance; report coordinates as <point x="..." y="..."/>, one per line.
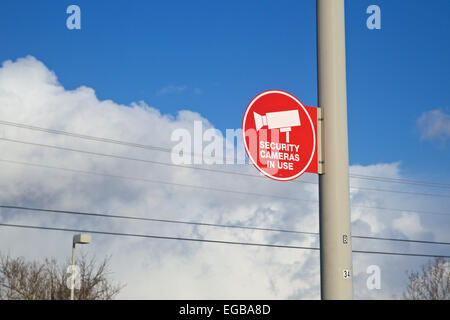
<point x="80" y="239"/>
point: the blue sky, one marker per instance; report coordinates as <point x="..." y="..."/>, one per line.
<point x="213" y="57"/>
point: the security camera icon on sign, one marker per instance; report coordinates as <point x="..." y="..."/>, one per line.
<point x="283" y="120"/>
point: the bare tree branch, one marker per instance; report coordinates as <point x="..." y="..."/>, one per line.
<point x="432" y="284"/>
<point x="47" y="280"/>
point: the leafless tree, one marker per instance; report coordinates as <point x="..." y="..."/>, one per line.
<point x="433" y="283"/>
<point x="48" y="280"/>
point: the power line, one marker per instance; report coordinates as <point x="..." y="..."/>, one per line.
<point x="205" y="169"/>
<point x="401" y="181"/>
<point x="156" y="181"/>
<point x="157" y="237"/>
<point x="86" y="137"/>
<point x="402" y="240"/>
<point x="158" y="220"/>
<point x="402" y="210"/>
<point x="210" y="224"/>
<point x="211" y="240"/>
<point x="162" y="149"/>
<point x="403" y="192"/>
<point x="140" y="160"/>
<point x="212" y="188"/>
<point x="400" y="254"/>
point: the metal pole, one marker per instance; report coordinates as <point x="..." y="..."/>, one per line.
<point x="334" y="204"/>
<point x="72" y="288"/>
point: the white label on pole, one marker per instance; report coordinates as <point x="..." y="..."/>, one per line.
<point x="346" y="273"/>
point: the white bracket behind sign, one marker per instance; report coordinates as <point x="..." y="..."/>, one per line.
<point x="320" y="162"/>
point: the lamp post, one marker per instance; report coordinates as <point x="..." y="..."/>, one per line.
<point x="80" y="239"/>
<point x="334" y="200"/>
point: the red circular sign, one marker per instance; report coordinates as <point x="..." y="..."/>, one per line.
<point x="279" y="135"/>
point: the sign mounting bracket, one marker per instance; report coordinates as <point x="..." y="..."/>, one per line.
<point x="320" y="159"/>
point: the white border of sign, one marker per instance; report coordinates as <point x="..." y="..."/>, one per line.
<point x="245" y="142"/>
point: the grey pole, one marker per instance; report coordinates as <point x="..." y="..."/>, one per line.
<point x="334" y="205"/>
<point x="72" y="287"/>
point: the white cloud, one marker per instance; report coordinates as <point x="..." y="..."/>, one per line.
<point x="409" y="225"/>
<point x="434" y="125"/>
<point x="31" y="94"/>
<point x="171" y="89"/>
<point x="198" y="91"/>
